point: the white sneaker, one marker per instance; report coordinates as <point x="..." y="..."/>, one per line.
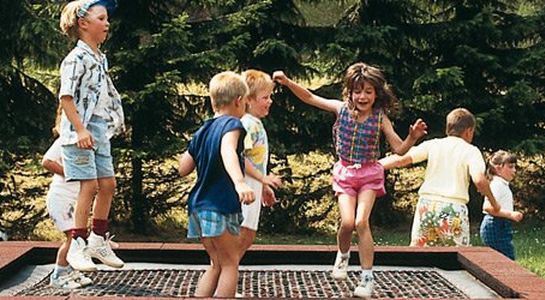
<point x="65" y="281"/>
<point x="78" y="256"/>
<point x="81" y="279"/>
<point x="365" y="287"/>
<point x="340" y="267"/>
<point x="101" y="249"/>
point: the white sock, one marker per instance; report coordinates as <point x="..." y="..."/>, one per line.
<point x="366" y="273"/>
<point x="60" y="270"/>
<point x="344" y="255"/>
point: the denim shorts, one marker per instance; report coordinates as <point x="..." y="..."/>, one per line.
<point x="207" y="223"/>
<point x="84" y="164"/>
<point x="497" y="233"/>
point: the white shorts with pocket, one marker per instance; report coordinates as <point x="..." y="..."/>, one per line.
<point x="61" y="204"/>
<point x="251" y="211"/>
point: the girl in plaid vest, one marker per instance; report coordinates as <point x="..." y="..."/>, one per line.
<point x="357" y="176"/>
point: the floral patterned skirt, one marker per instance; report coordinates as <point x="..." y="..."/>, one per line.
<point x="439" y="223"/>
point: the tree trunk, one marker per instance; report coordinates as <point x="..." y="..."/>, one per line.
<point x="138" y="200"/>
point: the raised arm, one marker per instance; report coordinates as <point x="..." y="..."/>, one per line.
<point x="416" y="131"/>
<point x="306" y="96"/>
<point x="395" y="161"/>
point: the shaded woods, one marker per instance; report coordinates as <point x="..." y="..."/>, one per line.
<point x="484" y="55"/>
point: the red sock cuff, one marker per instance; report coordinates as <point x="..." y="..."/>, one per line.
<point x="100" y="227"/>
<point x="79" y="232"/>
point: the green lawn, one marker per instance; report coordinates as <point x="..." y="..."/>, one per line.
<point x="529" y="242"/>
<point x="530" y="247"/>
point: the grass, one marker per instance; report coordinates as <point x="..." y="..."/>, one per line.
<point x="530" y="247"/>
<point x="528" y="239"/>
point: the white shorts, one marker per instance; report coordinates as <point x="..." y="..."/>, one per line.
<point x="61" y="204"/>
<point x="250" y="212"/>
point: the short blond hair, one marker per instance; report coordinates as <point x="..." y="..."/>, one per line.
<point x="257" y="81"/>
<point x="458" y="120"/>
<point x="226" y="87"/>
<point x="69" y="19"/>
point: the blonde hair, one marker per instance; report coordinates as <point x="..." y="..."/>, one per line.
<point x="458" y="120"/>
<point x="498" y="159"/>
<point x="226" y="87"/>
<point x="69" y="19"/>
<point x="257" y="81"/>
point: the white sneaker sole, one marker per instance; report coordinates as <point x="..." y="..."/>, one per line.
<point x="339" y="276"/>
<point x="360" y="293"/>
<point x="82" y="268"/>
<point x="108" y="263"/>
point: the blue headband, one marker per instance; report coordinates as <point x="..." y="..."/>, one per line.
<point x="110" y="6"/>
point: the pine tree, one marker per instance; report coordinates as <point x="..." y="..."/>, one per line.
<point x="157" y="48"/>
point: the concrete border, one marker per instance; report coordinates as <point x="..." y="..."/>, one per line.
<point x="505" y="277"/>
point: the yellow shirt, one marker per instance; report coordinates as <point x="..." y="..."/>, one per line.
<point x="451" y="163"/>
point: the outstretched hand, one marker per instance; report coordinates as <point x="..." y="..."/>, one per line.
<point x="418" y="129"/>
<point x="516" y="216"/>
<point x="268" y="196"/>
<point x="280" y="77"/>
<point x="272" y="180"/>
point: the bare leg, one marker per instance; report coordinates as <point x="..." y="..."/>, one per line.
<point x="63" y="250"/>
<point x="209" y="280"/>
<point x="88" y="190"/>
<point x="366" y="200"/>
<point x="347" y="208"/>
<point x="228" y="247"/>
<point x="103" y="202"/>
<point x="247" y="237"/>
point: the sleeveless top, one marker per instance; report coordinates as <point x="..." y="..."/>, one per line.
<point x="355" y="142"/>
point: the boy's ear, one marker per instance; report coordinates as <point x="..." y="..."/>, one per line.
<point x="469" y="133"/>
<point x="239" y="100"/>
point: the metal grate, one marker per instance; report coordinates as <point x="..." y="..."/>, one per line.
<point x="258" y="284"/>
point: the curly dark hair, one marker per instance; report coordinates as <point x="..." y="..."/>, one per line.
<point x="356" y="75"/>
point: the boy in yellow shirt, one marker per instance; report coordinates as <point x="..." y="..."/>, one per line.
<point x="441" y="216"/>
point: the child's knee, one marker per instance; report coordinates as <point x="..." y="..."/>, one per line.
<point x="347" y="225"/>
<point x="107" y="186"/>
<point x="89" y="187"/>
<point x="362" y="226"/>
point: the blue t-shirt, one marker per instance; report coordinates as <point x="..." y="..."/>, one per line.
<point x="214" y="189"/>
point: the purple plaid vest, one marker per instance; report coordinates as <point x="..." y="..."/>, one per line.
<point x="357" y="143"/>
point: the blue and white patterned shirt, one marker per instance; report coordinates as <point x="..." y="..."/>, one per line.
<point x="83" y="76"/>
